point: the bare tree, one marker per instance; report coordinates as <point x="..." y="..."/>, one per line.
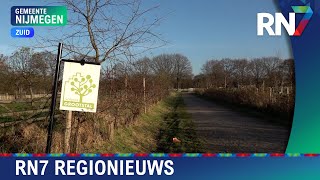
<point x="215" y="73"/>
<point x="182" y="68"/>
<point x="271" y="66"/>
<point x="142" y="66"/>
<point x="257" y="69"/>
<point x="21" y="66"/>
<point x="162" y="65"/>
<point x="240" y="71"/>
<point x="29" y="71"/>
<point x="228" y="70"/>
<point x="47" y="61"/>
<point x="173" y="67"/>
<point x="108" y="29"/>
<point x="288" y="72"/>
<point x="4" y="75"/>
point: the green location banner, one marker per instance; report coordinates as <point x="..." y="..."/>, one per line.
<point x="38" y="15"/>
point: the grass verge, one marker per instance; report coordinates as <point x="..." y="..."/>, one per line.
<point x="154" y="131"/>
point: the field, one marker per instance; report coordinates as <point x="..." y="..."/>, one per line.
<point x="23" y="110"/>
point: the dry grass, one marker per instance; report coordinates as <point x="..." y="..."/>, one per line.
<point x="96" y="133"/>
<point x="140" y="136"/>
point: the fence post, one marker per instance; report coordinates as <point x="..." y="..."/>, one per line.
<point x="144" y="95"/>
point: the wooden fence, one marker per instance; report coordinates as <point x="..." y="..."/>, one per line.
<point x="7" y="97"/>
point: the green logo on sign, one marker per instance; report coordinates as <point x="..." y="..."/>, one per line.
<point x="80" y="86"/>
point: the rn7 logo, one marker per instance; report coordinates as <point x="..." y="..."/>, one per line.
<point x="278" y="20"/>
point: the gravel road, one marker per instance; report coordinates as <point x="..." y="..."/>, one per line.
<point x="226" y="130"/>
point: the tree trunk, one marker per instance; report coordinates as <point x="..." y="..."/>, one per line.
<point x="81" y="97"/>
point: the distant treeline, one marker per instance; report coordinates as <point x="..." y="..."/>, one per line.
<point x="30" y="72"/>
<point x="26" y="72"/>
<point x="258" y="72"/>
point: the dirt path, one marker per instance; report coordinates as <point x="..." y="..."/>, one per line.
<point x="225" y="130"/>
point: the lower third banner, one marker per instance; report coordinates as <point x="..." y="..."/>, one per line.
<point x="160" y="166"/>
